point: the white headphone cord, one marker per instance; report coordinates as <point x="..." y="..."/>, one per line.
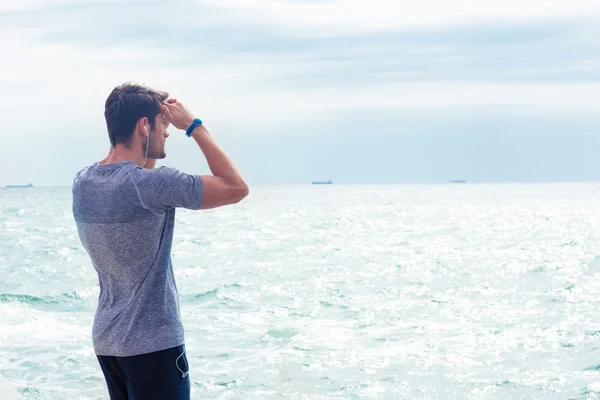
<point x="147" y="146"/>
<point x="183" y="373"/>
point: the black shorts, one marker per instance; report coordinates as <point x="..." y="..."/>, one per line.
<point x="160" y="375"/>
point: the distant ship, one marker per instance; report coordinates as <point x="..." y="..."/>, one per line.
<point x="461" y="181"/>
<point x="29" y="185"/>
<point x="322" y="182"/>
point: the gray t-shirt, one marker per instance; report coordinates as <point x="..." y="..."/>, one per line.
<point x="125" y="217"/>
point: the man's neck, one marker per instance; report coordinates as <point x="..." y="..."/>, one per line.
<point x="120" y="153"/>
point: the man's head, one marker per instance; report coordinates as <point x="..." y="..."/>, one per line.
<point x="132" y="111"/>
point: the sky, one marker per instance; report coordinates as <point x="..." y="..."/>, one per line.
<point x="353" y="91"/>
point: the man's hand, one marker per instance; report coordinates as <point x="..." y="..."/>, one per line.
<point x="179" y="116"/>
<point x="225" y="185"/>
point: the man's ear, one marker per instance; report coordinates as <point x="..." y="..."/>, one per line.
<point x="142" y="124"/>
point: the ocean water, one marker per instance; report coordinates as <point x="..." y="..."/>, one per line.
<point x="334" y="292"/>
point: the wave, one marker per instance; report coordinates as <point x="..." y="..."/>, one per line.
<point x="54" y="302"/>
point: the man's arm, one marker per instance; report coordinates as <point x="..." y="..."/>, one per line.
<point x="226" y="185"/>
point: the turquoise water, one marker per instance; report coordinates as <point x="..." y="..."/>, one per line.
<point x="343" y="292"/>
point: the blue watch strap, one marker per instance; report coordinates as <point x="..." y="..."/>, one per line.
<point x="195" y="123"/>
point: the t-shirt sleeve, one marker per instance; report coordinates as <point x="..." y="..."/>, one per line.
<point x="165" y="187"/>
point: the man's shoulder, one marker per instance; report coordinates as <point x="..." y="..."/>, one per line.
<point x="82" y="172"/>
<point x="147" y="181"/>
<point x="163" y="169"/>
<point x="156" y="174"/>
<point x="99" y="177"/>
<point x="80" y="176"/>
<point x="101" y="192"/>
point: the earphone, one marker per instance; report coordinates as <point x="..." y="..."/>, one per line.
<point x="147" y="145"/>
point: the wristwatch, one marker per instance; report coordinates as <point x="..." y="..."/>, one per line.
<point x="195" y="123"/>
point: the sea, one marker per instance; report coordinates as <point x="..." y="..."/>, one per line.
<point x="448" y="291"/>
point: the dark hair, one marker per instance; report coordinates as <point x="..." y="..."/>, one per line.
<point x="125" y="105"/>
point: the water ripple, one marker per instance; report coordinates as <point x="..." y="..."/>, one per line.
<point x="399" y="292"/>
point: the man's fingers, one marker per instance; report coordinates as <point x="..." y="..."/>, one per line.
<point x="165" y="109"/>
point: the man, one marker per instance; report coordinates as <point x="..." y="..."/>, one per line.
<point x="124" y="210"/>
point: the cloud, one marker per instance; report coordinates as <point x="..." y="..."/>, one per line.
<point x="16" y="5"/>
<point x="246" y="49"/>
<point x="286" y="61"/>
<point x="395" y="84"/>
<point x="349" y="16"/>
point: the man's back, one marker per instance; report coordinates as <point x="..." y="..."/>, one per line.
<point x="125" y="217"/>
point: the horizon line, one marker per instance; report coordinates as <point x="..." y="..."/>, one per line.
<point x="495" y="182"/>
